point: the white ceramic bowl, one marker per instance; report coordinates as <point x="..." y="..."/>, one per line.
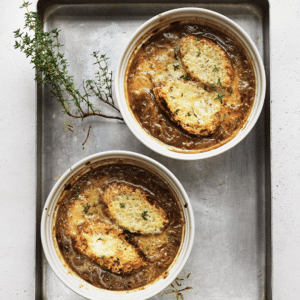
<point x="82" y="287"/>
<point x="210" y="18"/>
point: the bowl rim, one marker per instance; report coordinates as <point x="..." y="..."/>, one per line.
<point x="80" y="286"/>
<point x="241" y="36"/>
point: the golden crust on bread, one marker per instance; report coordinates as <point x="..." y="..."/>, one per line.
<point x="129" y="206"/>
<point x="190" y="107"/>
<point x="107" y="246"/>
<point x="206" y="62"/>
<point x="151" y="245"/>
<point x="166" y="65"/>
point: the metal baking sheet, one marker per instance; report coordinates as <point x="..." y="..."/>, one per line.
<point x="230" y="193"/>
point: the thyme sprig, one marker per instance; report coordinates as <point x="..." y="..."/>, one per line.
<point x="175" y="290"/>
<point x="43" y="48"/>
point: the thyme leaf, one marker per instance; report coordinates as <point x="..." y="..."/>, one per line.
<point x="78" y="193"/>
<point x="216" y="69"/>
<point x="186" y="77"/>
<point x="86" y="208"/>
<point x="176" y="111"/>
<point x="176" y="67"/>
<point x="220" y="97"/>
<point x="144" y="215"/>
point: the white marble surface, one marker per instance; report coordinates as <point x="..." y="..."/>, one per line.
<point x="17" y="164"/>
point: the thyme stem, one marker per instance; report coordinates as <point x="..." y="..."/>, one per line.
<point x="44" y="50"/>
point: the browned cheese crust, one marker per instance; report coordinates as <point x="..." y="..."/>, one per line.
<point x="206" y="62"/>
<point x="190" y="107"/>
<point x="131" y="209"/>
<point x="107" y="246"/>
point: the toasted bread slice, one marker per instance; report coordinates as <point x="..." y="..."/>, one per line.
<point x="107" y="246"/>
<point x="140" y="84"/>
<point x="206" y="62"/>
<point x="85" y="206"/>
<point x="190" y="107"/>
<point x="140" y="81"/>
<point x="166" y="65"/>
<point x="129" y="207"/>
<point x="79" y="211"/>
<point x="151" y="245"/>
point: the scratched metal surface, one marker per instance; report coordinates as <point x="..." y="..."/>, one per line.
<point x="227" y="192"/>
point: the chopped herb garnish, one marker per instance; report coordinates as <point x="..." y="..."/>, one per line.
<point x="172" y="97"/>
<point x="186" y="77"/>
<point x="176" y="67"/>
<point x="231" y="91"/>
<point x="205" y="87"/>
<point x="147" y="248"/>
<point x="216" y="69"/>
<point x="182" y="95"/>
<point x="169" y="237"/>
<point x="102" y="256"/>
<point x="196" y="39"/>
<point x="148" y="56"/>
<point x="125" y="228"/>
<point x="175" y="56"/>
<point x="118" y="261"/>
<point x="100" y="239"/>
<point x="176" y="111"/>
<point x="220" y="97"/>
<point x="212" y="85"/>
<point x="199" y="52"/>
<point x="176" y="48"/>
<point x="144" y="105"/>
<point x="66" y="249"/>
<point x="78" y="192"/>
<point x="195" y="114"/>
<point x="207" y="60"/>
<point x="86" y="209"/>
<point x="188" y="114"/>
<point x="144" y="215"/>
<point x="219" y="82"/>
<point x="122" y="205"/>
<point x="111" y="287"/>
<point x="224" y="116"/>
